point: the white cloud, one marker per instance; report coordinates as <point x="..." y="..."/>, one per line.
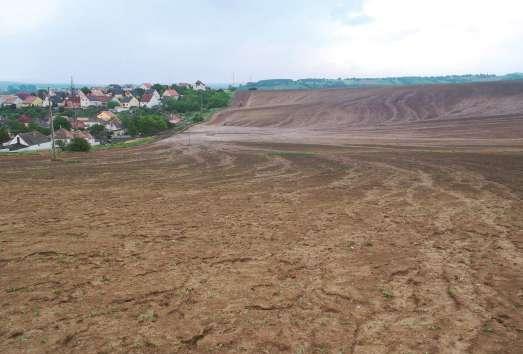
<point x="427" y="37"/>
<point x="21" y="17"/>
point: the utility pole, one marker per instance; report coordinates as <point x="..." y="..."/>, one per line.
<point x="73" y="100"/>
<point x="201" y="101"/>
<point x="53" y="147"/>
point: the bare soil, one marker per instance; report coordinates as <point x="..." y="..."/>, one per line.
<point x="484" y="110"/>
<point x="245" y="243"/>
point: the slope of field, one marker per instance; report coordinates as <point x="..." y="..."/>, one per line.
<point x="487" y="110"/>
<point x="262" y="248"/>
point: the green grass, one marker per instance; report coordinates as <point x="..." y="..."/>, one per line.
<point x="125" y="144"/>
<point x="387" y="294"/>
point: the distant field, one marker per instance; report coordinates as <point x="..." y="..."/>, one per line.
<point x="485" y="111"/>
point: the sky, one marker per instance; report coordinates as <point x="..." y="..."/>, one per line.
<point x="128" y="41"/>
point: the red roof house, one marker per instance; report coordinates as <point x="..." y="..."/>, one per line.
<point x="171" y="93"/>
<point x="25" y="119"/>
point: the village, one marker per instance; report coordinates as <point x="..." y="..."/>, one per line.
<point x="101" y="115"/>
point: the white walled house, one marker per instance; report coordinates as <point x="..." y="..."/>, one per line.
<point x="31" y="141"/>
<point x="45" y="102"/>
<point x="171" y="93"/>
<point x="127" y="103"/>
<point x="84" y="101"/>
<point x="11" y="100"/>
<point x="151" y="100"/>
<point x="115" y="127"/>
<point x="199" y="86"/>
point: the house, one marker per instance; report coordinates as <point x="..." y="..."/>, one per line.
<point x="106" y="116"/>
<point x="11" y="101"/>
<point x="150" y="100"/>
<point x="45" y="101"/>
<point x="57" y="101"/>
<point x="98" y="101"/>
<point x="127" y="103"/>
<point x="43" y="122"/>
<point x="171" y="93"/>
<point x="88" y="122"/>
<point x="64" y="136"/>
<point x="32" y="101"/>
<point x="199" y="86"/>
<point x="23" y="95"/>
<point x="86" y="136"/>
<point x="111" y="122"/>
<point x="146" y="86"/>
<point x="29" y="141"/>
<point x="115" y="127"/>
<point x="72" y="102"/>
<point x="25" y="119"/>
<point x="78" y="124"/>
<point x="97" y="92"/>
<point x="116" y="90"/>
<point x="84" y="101"/>
<point x="184" y="85"/>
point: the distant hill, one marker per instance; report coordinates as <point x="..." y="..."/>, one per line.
<point x="472" y="110"/>
<point x="12" y="86"/>
<point x="304" y="84"/>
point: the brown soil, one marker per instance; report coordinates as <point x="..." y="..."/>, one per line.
<point x="486" y="110"/>
<point x="243" y="244"/>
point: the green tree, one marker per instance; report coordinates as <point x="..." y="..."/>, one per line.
<point x="61" y="122"/>
<point x="144" y="124"/>
<point x="112" y="104"/>
<point x="197" y="118"/>
<point x="188" y="103"/>
<point x="33" y="126"/>
<point x="85" y="90"/>
<point x="129" y="123"/>
<point x="150" y="124"/>
<point x="78" y="144"/>
<point x="217" y="99"/>
<point x="160" y="88"/>
<point x="99" y="132"/>
<point x="15" y="126"/>
<point x="138" y="93"/>
<point x="4" y="135"/>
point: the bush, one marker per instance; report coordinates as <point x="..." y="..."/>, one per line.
<point x="99" y="132"/>
<point x="197" y="118"/>
<point x="78" y="144"/>
<point x="144" y="124"/>
<point x="112" y="104"/>
<point x="4" y="135"/>
<point x="193" y="101"/>
<point x="61" y="122"/>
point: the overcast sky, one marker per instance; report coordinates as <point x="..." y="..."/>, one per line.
<point x="104" y="41"/>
